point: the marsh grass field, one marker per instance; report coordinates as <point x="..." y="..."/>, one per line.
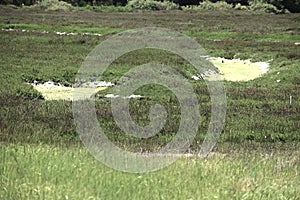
<point x="40" y="171"/>
<point x="42" y="157"/>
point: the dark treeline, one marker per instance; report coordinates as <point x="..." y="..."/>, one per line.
<point x="291" y="5"/>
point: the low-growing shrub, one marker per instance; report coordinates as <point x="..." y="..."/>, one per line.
<point x="254" y="5"/>
<point x="219" y="5"/>
<point x="207" y="5"/>
<point x="152" y="5"/>
<point x="261" y="6"/>
<point x="54" y="5"/>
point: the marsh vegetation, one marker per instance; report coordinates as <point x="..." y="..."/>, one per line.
<point x="42" y="156"/>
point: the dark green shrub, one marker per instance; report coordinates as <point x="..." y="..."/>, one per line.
<point x="82" y="3"/>
<point x="186" y="2"/>
<point x="292" y="5"/>
<point x="241" y="2"/>
<point x="6" y="2"/>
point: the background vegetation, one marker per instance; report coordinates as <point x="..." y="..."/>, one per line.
<point x="275" y="6"/>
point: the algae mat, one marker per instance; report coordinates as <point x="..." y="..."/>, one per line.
<point x="230" y="70"/>
<point x="51" y="91"/>
<point x="239" y="70"/>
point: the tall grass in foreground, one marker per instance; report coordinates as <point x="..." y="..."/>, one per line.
<point x="48" y="172"/>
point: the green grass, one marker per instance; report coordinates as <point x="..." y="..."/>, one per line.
<point x="260" y="37"/>
<point x="40" y="171"/>
<point x="33" y="56"/>
<point x="28" y="56"/>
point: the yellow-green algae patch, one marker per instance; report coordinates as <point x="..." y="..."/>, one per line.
<point x="231" y="70"/>
<point x="59" y="92"/>
<point x="239" y="70"/>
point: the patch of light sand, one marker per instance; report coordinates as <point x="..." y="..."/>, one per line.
<point x="238" y="70"/>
